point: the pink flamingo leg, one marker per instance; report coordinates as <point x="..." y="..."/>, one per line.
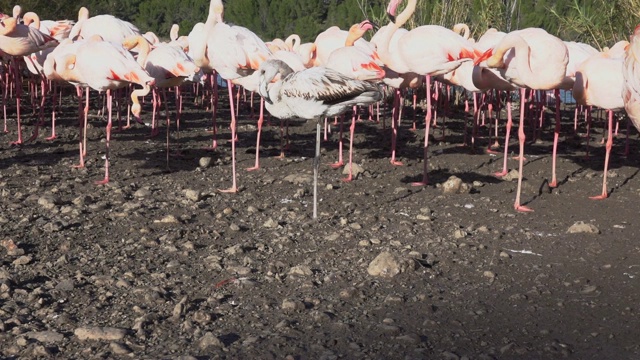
<point x="260" y="121"/>
<point x="340" y="162"/>
<point x="556" y="136"/>
<point x="80" y="127"/>
<point x="427" y="119"/>
<point x="214" y="106"/>
<point x="54" y="95"/>
<point x="106" y="157"/>
<point x="234" y="187"/>
<point x="18" y="85"/>
<point x="521" y="137"/>
<point x="608" y="145"/>
<point x="352" y="129"/>
<point x="394" y="128"/>
<point x="506" y="140"/>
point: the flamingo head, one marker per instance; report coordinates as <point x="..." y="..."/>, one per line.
<point x="392" y="8"/>
<point x="365" y="25"/>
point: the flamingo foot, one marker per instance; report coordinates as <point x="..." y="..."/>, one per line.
<point x="337" y="164"/>
<point x="254" y="168"/>
<point x="281" y="156"/>
<point x="52" y="137"/>
<point x="522" y="208"/>
<point x="347" y="179"/>
<point x="229" y="190"/>
<point x="491" y="151"/>
<point x="517" y="158"/>
<point x="154" y="132"/>
<point x="103" y="181"/>
<point x="420" y="183"/>
<point x="553" y="184"/>
<point x="599" y="197"/>
<point x="501" y="173"/>
<point x="16" y="143"/>
<point x="396" y="163"/>
<point x="79" y="166"/>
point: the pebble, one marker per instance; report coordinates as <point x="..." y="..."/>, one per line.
<point x="356" y="171"/>
<point x="455" y="185"/>
<point x="581" y="227"/>
<point x="119" y="348"/>
<point x="459" y="234"/>
<point x="47" y="202"/>
<point x="289" y="305"/>
<point x="49" y="337"/>
<point x="386" y="265"/>
<point x="169" y="219"/>
<point x="11" y="247"/>
<point x="100" y="333"/>
<point x="142" y="192"/>
<point x="22" y="260"/>
<point x="299" y="178"/>
<point x="204" y="162"/>
<point x="511" y="175"/>
<point x="300" y="270"/>
<point x="270" y="223"/>
<point x="192" y="195"/>
<point x="209" y="340"/>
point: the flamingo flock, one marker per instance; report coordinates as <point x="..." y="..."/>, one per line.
<point x="336" y="73"/>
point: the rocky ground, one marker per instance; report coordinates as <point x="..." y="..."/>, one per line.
<point x="159" y="264"/>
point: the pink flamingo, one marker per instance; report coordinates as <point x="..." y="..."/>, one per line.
<point x="108" y="27"/>
<point x="21" y="40"/>
<point x="57" y="29"/>
<point x="235" y="53"/>
<point x="103" y="66"/>
<point x="428" y="50"/>
<point x="331" y="39"/>
<point x="529" y="58"/>
<point x="599" y="82"/>
<point x="168" y="65"/>
<point x="631" y="75"/>
<point x="359" y="63"/>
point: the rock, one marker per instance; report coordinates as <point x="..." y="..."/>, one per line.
<point x="300" y="270"/>
<point x="192" y="195"/>
<point x="204" y="162"/>
<point x="209" y="340"/>
<point x="270" y="224"/>
<point x="119" y="348"/>
<point x="454" y="185"/>
<point x="289" y="305"/>
<point x="47" y="202"/>
<point x="386" y="265"/>
<point x="100" y="333"/>
<point x="581" y="227"/>
<point x="300" y="178"/>
<point x="22" y="260"/>
<point x="65" y="285"/>
<point x="142" y="192"/>
<point x="11" y="247"/>
<point x="511" y="175"/>
<point x="169" y="219"/>
<point x="355" y="172"/>
<point x="459" y="234"/>
<point x="49" y="337"/>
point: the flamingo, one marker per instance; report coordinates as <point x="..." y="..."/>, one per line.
<point x="58" y="29"/>
<point x="108" y="27"/>
<point x="358" y="63"/>
<point x="529" y="58"/>
<point x="631" y="76"/>
<point x="104" y="66"/>
<point x="599" y="82"/>
<point x="20" y="40"/>
<point x="168" y="65"/>
<point x="331" y="39"/>
<point x="427" y="50"/>
<point x="312" y="93"/>
<point x="235" y="53"/>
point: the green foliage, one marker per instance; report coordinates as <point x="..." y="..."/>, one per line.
<point x="598" y="22"/>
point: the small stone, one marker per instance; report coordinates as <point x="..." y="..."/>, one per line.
<point x="228" y="211"/>
<point x="423" y="217"/>
<point x="489" y="274"/>
<point x="204" y="162"/>
<point x="192" y="195"/>
<point x="459" y="234"/>
<point x="356" y="170"/>
<point x="100" y="333"/>
<point x="119" y="348"/>
<point x="299" y="178"/>
<point x="49" y="337"/>
<point x="289" y="305"/>
<point x="22" y="260"/>
<point x="505" y="255"/>
<point x="169" y="219"/>
<point x="142" y="192"/>
<point x="300" y="270"/>
<point x="47" y="202"/>
<point x="270" y="223"/>
<point x="581" y="227"/>
<point x="454" y="185"/>
<point x="209" y="340"/>
<point x="11" y="247"/>
<point x="511" y="175"/>
<point x="386" y="265"/>
<point x="65" y="285"/>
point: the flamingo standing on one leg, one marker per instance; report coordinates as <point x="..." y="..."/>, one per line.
<point x="313" y="93"/>
<point x="21" y="40"/>
<point x="598" y="82"/>
<point x="529" y="58"/>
